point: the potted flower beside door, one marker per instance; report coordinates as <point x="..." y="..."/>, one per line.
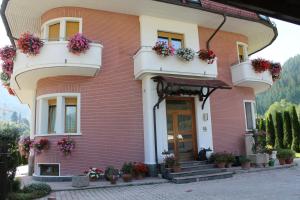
<point x="245" y="162"/>
<point x="127" y="170"/>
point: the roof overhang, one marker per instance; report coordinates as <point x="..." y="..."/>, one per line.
<point x="20" y="16"/>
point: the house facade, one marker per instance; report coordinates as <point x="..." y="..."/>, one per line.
<point x="122" y="102"/>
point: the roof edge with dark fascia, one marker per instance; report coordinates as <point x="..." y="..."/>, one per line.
<point x="5" y="22"/>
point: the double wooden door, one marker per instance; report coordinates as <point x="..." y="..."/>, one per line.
<point x="182" y="139"/>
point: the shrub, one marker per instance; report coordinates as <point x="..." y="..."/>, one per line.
<point x="295" y="130"/>
<point x="278" y="130"/>
<point x="127" y="168"/>
<point x="110" y="171"/>
<point x="220" y="157"/>
<point x="287" y="130"/>
<point x="140" y="169"/>
<point x="230" y="158"/>
<point x="285" y="154"/>
<point x="40" y="187"/>
<point x="16" y="185"/>
<point x="270" y="137"/>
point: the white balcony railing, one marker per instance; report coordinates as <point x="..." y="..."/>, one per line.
<point x="54" y="59"/>
<point x="243" y="75"/>
<point x="146" y="61"/>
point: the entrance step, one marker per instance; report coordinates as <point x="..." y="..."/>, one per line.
<point x="192" y="163"/>
<point x="197" y="178"/>
<point x="197" y="167"/>
<point x="196" y="172"/>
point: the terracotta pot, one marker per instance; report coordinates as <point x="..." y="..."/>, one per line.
<point x="281" y="161"/>
<point x="93" y="179"/>
<point x="177" y="169"/>
<point x="228" y="165"/>
<point x="246" y="165"/>
<point x="113" y="180"/>
<point x="221" y="165"/>
<point x="127" y="177"/>
<point x="139" y="176"/>
<point x="289" y="161"/>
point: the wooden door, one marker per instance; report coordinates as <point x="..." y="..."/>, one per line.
<point x="182" y="140"/>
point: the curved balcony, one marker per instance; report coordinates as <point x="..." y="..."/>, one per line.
<point x="54" y="60"/>
<point x="243" y="75"/>
<point x="146" y="61"/>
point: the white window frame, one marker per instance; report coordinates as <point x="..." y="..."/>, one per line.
<point x="42" y="113"/>
<point x="245" y="51"/>
<point x="62" y="29"/>
<point x="39" y="169"/>
<point x="253" y="109"/>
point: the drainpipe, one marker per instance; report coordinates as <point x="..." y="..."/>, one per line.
<point x="5" y="22"/>
<point x="213" y="35"/>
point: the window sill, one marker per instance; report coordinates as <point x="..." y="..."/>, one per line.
<point x="58" y="134"/>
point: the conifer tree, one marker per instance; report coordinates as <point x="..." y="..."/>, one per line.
<point x="270" y="131"/>
<point x="262" y="124"/>
<point x="278" y="130"/>
<point x="287" y="130"/>
<point x="295" y="129"/>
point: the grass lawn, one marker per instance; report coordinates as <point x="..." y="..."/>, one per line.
<point x="297" y="155"/>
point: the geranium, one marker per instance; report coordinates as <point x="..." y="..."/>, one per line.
<point x="66" y="145"/>
<point x="140" y="169"/>
<point x="5" y="78"/>
<point x="40" y="145"/>
<point x="78" y="44"/>
<point x="94" y="173"/>
<point x="186" y="54"/>
<point x="162" y="49"/>
<point x="207" y="56"/>
<point x="30" y="44"/>
<point x="7" y="53"/>
<point x="275" y="70"/>
<point x="8" y="66"/>
<point x="24" y="146"/>
<point x="260" y="65"/>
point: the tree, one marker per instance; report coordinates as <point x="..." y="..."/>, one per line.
<point x="295" y="130"/>
<point x="262" y="124"/>
<point x="14" y="117"/>
<point x="287" y="130"/>
<point x="270" y="131"/>
<point x="278" y="131"/>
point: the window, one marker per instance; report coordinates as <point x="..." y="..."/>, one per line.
<point x="61" y="29"/>
<point x="70" y="115"/>
<point x="173" y="39"/>
<point x="51" y="115"/>
<point x="71" y="29"/>
<point x="242" y="52"/>
<point x="250" y="115"/>
<point x="58" y="114"/>
<point x="49" y="169"/>
<point x="54" y="31"/>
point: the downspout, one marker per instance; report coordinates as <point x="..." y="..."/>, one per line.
<point x="216" y="31"/>
<point x="5" y="22"/>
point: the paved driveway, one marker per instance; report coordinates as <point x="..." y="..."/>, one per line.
<point x="276" y="185"/>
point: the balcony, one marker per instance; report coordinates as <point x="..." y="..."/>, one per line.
<point x="243" y="75"/>
<point x="54" y="60"/>
<point x="146" y="61"/>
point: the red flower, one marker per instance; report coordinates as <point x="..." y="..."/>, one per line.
<point x="207" y="55"/>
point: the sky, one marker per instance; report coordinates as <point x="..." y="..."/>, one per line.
<point x="285" y="46"/>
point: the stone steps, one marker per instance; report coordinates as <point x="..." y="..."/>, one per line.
<point x="197" y="167"/>
<point x="195" y="172"/>
<point x="197" y="178"/>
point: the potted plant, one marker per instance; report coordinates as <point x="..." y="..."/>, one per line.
<point x="162" y="49"/>
<point x="111" y="174"/>
<point x="127" y="170"/>
<point x="24" y="146"/>
<point x="275" y="70"/>
<point x="271" y="162"/>
<point x="290" y="156"/>
<point x="185" y="54"/>
<point x="245" y="162"/>
<point x="7" y="53"/>
<point x="30" y="44"/>
<point x="285" y="156"/>
<point x="140" y="170"/>
<point x="176" y="167"/>
<point x="260" y="65"/>
<point x="169" y="161"/>
<point x="207" y="55"/>
<point x="78" y="44"/>
<point x="220" y="159"/>
<point x="94" y="174"/>
<point x="66" y="145"/>
<point x="40" y="145"/>
<point x="230" y="160"/>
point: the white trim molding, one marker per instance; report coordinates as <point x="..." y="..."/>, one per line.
<point x="62" y="29"/>
<point x="42" y="113"/>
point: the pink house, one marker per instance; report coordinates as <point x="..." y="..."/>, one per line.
<point x="120" y="101"/>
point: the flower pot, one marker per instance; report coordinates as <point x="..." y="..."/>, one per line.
<point x="93" y="179"/>
<point x="177" y="169"/>
<point x="228" y="165"/>
<point x="289" y="161"/>
<point x="80" y="181"/>
<point x="127" y="177"/>
<point x="246" y="165"/>
<point x="281" y="161"/>
<point x="272" y="163"/>
<point x="113" y="179"/>
<point x="221" y="165"/>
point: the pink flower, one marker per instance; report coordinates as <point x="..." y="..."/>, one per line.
<point x="78" y="44"/>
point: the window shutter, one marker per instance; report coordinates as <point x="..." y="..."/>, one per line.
<point x="71" y="29"/>
<point x="53" y="34"/>
<point x="71" y="101"/>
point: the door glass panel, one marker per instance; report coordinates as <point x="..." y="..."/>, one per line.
<point x="179" y="105"/>
<point x="185" y="122"/>
<point x="170" y="133"/>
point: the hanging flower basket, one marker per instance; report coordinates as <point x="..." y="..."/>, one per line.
<point x="162" y="49"/>
<point x="24" y="146"/>
<point x="30" y="44"/>
<point x="10" y="91"/>
<point x="7" y="53"/>
<point x="207" y="55"/>
<point x="40" y="145"/>
<point x="275" y="70"/>
<point x="185" y="54"/>
<point x="78" y="44"/>
<point x="66" y="145"/>
<point x="260" y="65"/>
<point x="8" y="67"/>
<point x="5" y="78"/>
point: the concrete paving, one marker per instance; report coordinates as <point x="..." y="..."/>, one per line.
<point x="276" y="185"/>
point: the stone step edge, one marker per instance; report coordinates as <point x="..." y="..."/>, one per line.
<point x="200" y="170"/>
<point x="204" y="176"/>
